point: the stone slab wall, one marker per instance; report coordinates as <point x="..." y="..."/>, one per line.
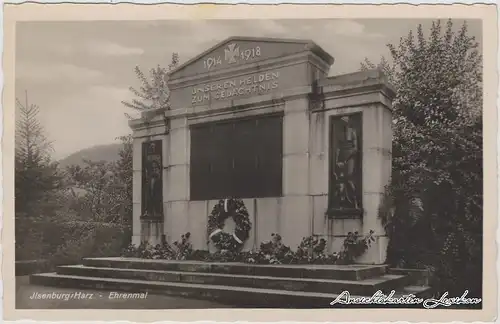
<point x="307" y="99"/>
<point x="288" y="215"/>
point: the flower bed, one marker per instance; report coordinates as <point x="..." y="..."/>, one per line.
<point x="310" y="251"/>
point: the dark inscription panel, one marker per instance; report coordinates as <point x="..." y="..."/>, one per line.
<point x="239" y="158"/>
<point x="152" y="180"/>
<point x="345" y="194"/>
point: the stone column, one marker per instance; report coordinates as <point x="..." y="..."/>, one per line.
<point x="296" y="202"/>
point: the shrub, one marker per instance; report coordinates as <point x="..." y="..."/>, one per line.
<point x="90" y="240"/>
<point x="437" y="156"/>
<point x="272" y="252"/>
<point x="65" y="242"/>
<point x="355" y="245"/>
<point x="179" y="250"/>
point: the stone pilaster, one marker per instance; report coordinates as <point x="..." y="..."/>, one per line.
<point x="176" y="192"/>
<point x="297" y="203"/>
<point x="137" y="237"/>
<point x="377" y="123"/>
<point x="369" y="94"/>
<point x="151" y="126"/>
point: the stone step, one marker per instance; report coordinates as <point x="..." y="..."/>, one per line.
<point x="237" y="296"/>
<point x="364" y="287"/>
<point x="240" y="296"/>
<point x="418" y="290"/>
<point x="334" y="272"/>
<point x="419" y="277"/>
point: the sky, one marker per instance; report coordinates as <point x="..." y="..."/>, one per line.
<point x="79" y="72"/>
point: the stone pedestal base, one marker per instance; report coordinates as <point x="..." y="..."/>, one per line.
<point x="152" y="231"/>
<point x="136" y="240"/>
<point x="376" y="253"/>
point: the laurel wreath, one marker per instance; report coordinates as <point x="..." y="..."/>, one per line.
<point x="225" y="208"/>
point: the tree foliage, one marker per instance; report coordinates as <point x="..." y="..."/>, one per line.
<point x="64" y="215"/>
<point x="95" y="181"/>
<point x="37" y="178"/>
<point x="123" y="172"/>
<point x="433" y="209"/>
<point x="102" y="191"/>
<point x="153" y="92"/>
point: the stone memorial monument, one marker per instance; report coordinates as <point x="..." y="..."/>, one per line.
<point x="259" y="119"/>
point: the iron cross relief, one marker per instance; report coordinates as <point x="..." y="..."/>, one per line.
<point x="231" y="53"/>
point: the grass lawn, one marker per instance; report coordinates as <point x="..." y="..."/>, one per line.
<point x="100" y="299"/>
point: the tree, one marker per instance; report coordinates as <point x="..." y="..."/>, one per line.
<point x="153" y="93"/>
<point x="105" y="187"/>
<point x="94" y="179"/>
<point x="123" y="171"/>
<point x="436" y="187"/>
<point x="37" y="179"/>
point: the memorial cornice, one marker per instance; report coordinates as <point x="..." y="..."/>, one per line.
<point x="242" y="70"/>
<point x="151" y="119"/>
<point x="308" y="46"/>
<point x="357" y="80"/>
<point x="360" y="88"/>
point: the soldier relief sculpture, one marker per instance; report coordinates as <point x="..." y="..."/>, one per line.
<point x="345" y="175"/>
<point x="152" y="202"/>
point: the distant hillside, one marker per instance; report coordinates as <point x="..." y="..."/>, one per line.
<point x="108" y="153"/>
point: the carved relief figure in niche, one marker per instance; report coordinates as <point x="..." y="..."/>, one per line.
<point x="152" y="190"/>
<point x="346" y="166"/>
